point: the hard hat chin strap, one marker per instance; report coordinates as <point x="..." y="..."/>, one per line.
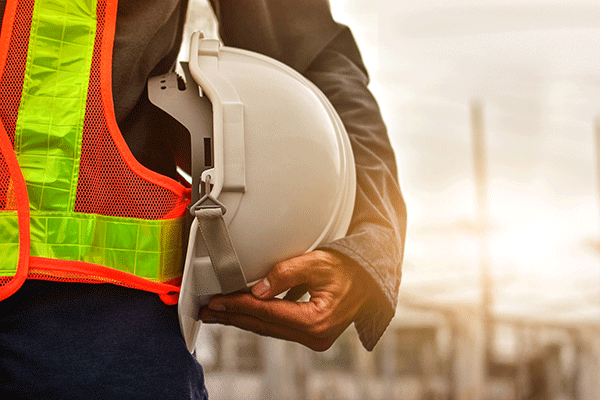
<point x="220" y="249"/>
<point x="209" y="212"/>
<point x="210" y="249"/>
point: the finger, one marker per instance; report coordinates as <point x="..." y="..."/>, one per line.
<point x="315" y="342"/>
<point x="316" y="316"/>
<point x="299" y="316"/>
<point x="280" y="278"/>
<point x="290" y="273"/>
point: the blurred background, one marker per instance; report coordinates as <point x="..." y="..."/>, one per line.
<point x="493" y="109"/>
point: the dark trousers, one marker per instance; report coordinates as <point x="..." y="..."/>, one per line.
<point x="87" y="341"/>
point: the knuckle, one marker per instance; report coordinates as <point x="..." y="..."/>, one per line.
<point x="317" y="331"/>
<point x="321" y="344"/>
<point x="320" y="328"/>
<point x="326" y="258"/>
<point x="269" y="314"/>
<point x="283" y="270"/>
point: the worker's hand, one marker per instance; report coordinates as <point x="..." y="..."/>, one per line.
<point x="337" y="292"/>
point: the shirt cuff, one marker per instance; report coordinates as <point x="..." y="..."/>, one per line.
<point x="383" y="285"/>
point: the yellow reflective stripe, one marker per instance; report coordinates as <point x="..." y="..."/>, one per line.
<point x="149" y="249"/>
<point x="50" y="122"/>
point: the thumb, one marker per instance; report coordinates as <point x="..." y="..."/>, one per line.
<point x="281" y="277"/>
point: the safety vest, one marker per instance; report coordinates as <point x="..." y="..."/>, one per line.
<point x="75" y="206"/>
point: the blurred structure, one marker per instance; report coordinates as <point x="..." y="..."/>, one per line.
<point x="425" y="355"/>
<point x="493" y="109"/>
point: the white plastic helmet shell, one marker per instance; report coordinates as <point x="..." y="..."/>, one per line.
<point x="283" y="167"/>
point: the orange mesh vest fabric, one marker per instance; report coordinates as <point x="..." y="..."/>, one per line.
<point x="122" y="222"/>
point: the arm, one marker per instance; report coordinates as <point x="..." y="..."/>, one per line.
<point x="376" y="235"/>
<point x="367" y="261"/>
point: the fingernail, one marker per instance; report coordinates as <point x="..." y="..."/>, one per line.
<point x="261" y="288"/>
<point x="216" y="307"/>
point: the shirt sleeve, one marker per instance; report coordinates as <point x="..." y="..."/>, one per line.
<point x="305" y="36"/>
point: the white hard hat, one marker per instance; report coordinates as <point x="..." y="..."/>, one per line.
<point x="269" y="149"/>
